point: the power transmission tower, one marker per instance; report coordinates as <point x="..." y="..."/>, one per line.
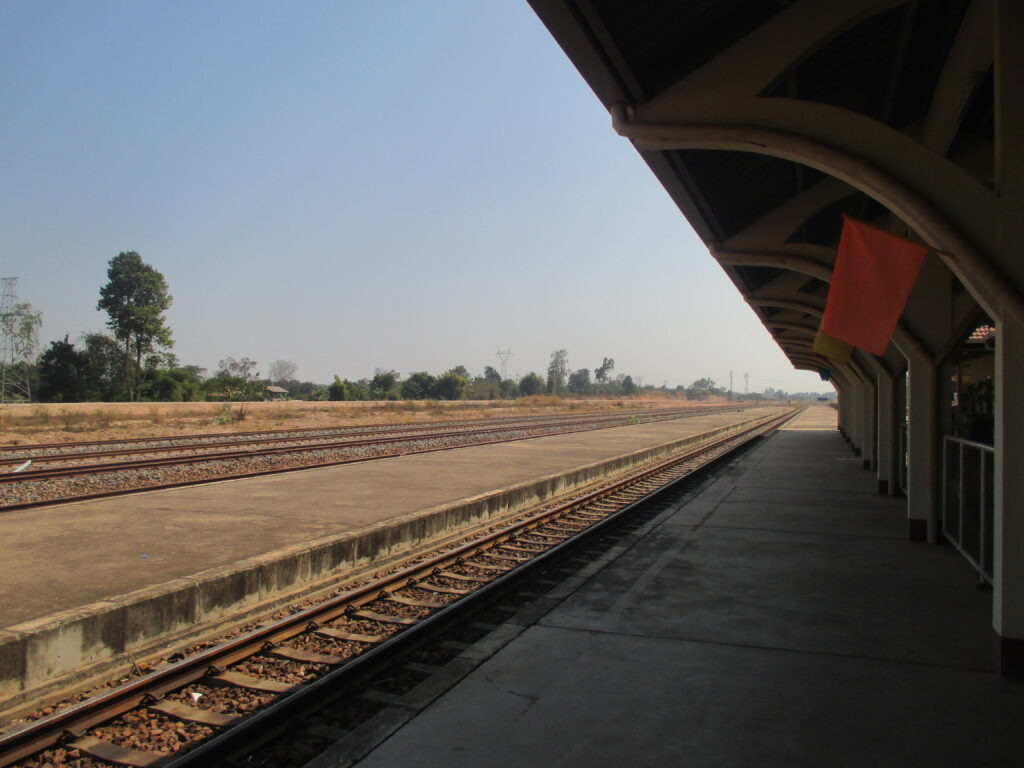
<point x="504" y="355"/>
<point x="746" y="383"/>
<point x="16" y="347"/>
<point x="730" y="385"/>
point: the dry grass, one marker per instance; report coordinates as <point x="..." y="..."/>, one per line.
<point x="68" y="422"/>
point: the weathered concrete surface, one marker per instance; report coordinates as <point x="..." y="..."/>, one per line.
<point x="780" y="618"/>
<point x="815" y="417"/>
<point x="91" y="584"/>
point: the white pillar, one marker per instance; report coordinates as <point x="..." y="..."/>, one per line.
<point x="1008" y="523"/>
<point x="923" y="477"/>
<point x="854" y="422"/>
<point x="844" y="397"/>
<point x="886" y="431"/>
<point x="900" y="387"/>
<point x="868" y="424"/>
<point x="1008" y="533"/>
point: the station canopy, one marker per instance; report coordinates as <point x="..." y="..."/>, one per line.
<point x="723" y="98"/>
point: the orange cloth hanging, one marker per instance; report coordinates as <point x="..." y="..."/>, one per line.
<point x="871" y="282"/>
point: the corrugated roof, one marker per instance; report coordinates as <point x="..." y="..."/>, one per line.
<point x="982" y="333"/>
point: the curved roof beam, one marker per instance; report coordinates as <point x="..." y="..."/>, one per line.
<point x="840" y="377"/>
<point x="810" y="309"/>
<point x="800" y="264"/>
<point x="750" y="65"/>
<point x="904" y="340"/>
<point x="794" y="327"/>
<point x="797" y="347"/>
<point x="854" y="167"/>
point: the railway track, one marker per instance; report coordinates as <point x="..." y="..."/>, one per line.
<point x="266" y="453"/>
<point x="50" y="452"/>
<point x="196" y="710"/>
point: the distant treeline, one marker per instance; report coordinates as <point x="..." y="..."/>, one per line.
<point x="134" y="363"/>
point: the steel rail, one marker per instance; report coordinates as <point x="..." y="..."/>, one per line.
<point x="356" y="429"/>
<point x="413" y="430"/>
<point x="179" y="461"/>
<point x="170" y="461"/>
<point x="70" y="724"/>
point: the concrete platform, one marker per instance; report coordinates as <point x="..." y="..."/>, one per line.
<point x="815" y="417"/>
<point x="89" y="585"/>
<point x="780" y="618"/>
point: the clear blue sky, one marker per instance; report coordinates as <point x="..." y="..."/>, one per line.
<point x="351" y="185"/>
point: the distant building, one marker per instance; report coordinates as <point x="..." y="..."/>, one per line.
<point x="275" y="393"/>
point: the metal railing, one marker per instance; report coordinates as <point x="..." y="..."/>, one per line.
<point x="967" y="500"/>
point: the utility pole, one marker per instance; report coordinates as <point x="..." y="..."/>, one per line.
<point x="504" y="355"/>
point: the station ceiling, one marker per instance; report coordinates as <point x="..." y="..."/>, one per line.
<point x="759" y="62"/>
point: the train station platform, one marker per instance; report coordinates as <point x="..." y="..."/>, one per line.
<point x="89" y="585"/>
<point x="778" y="617"/>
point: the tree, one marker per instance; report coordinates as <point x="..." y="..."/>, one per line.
<point x="343" y="390"/>
<point x="628" y="386"/>
<point x="174" y="385"/>
<point x="62" y="373"/>
<point x="135" y="299"/>
<point x="461" y="371"/>
<point x="531" y="384"/>
<point x="235" y="380"/>
<point x="451" y="386"/>
<point x="601" y="374"/>
<point x="20" y="325"/>
<point x="419" y="386"/>
<point x="384" y="385"/>
<point x="490" y="374"/>
<point x="196" y="372"/>
<point x="701" y="388"/>
<point x="105" y="368"/>
<point x="282" y="371"/>
<point x="579" y="382"/>
<point x="244" y="369"/>
<point x="558" y="368"/>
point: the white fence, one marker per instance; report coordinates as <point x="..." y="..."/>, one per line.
<point x="967" y="502"/>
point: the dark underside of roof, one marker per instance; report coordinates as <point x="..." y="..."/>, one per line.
<point x="885" y="67"/>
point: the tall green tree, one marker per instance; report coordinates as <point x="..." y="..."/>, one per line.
<point x="62" y="373"/>
<point x="601" y="374"/>
<point x="105" y="368"/>
<point x="384" y="385"/>
<point x="20" y="325"/>
<point x="135" y="299"/>
<point x="451" y="386"/>
<point x="579" y="382"/>
<point x="419" y="386"/>
<point x="558" y="369"/>
<point x="531" y="384"/>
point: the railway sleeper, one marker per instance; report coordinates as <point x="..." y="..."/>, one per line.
<point x="180" y="711"/>
<point x="414" y="601"/>
<point x="461" y="577"/>
<point x="444" y="590"/>
<point x="113" y="753"/>
<point x="302" y="655"/>
<point x="384" y="617"/>
<point x="239" y="680"/>
<point x="340" y="634"/>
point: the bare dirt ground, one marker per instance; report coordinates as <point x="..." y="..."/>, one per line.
<point x="71" y="422"/>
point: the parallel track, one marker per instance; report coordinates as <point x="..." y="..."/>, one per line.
<point x="11" y="454"/>
<point x="437" y="588"/>
<point x="297" y="451"/>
